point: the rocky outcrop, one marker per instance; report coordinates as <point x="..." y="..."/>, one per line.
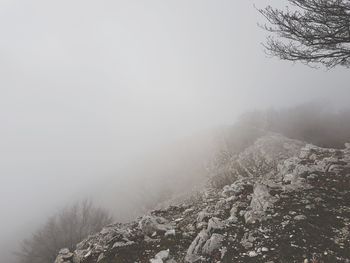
<point x="262" y="200"/>
<point x="259" y="160"/>
<point x="151" y="225"/>
<point x="64" y="256"/>
<point x="285" y="202"/>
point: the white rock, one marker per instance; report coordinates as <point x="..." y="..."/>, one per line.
<point x="64" y="251"/>
<point x="123" y="244"/>
<point x="170" y="232"/>
<point x="151" y="224"/>
<point x="188" y="211"/>
<point x="264" y="249"/>
<point x="232" y="219"/>
<point x="300" y="217"/>
<point x="261" y="201"/>
<point x="100" y="258"/>
<point x="202" y="215"/>
<point x="215" y="224"/>
<point x="227" y="191"/>
<point x="213" y="243"/>
<point x="155" y="260"/>
<point x="194" y="250"/>
<point x="252" y="254"/>
<point x="164" y="254"/>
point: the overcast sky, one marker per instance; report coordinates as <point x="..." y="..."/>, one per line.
<point x="86" y="86"/>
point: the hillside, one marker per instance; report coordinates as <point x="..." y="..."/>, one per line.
<point x="279" y="200"/>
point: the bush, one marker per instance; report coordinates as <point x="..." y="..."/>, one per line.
<point x="64" y="230"/>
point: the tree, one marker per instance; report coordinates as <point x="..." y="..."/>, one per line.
<point x="64" y="230"/>
<point x="310" y="31"/>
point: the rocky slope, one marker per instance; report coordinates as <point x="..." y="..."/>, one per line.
<point x="280" y="200"/>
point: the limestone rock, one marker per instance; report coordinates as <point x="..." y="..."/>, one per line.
<point x="213" y="243"/>
<point x="64" y="256"/>
<point x="283" y="201"/>
<point x="151" y="224"/>
<point x="262" y="200"/>
<point x="195" y="249"/>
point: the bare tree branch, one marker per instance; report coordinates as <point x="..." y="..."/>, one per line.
<point x="63" y="230"/>
<point x="310" y="31"/>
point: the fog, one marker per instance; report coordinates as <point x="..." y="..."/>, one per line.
<point x="90" y="90"/>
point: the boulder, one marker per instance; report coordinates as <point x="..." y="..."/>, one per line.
<point x="215" y="224"/>
<point x="150" y="224"/>
<point x="213" y="243"/>
<point x="261" y="201"/>
<point x="64" y="256"/>
<point x="236" y="207"/>
<point x="160" y="257"/>
<point x="227" y="191"/>
<point x="195" y="249"/>
<point x="203" y="215"/>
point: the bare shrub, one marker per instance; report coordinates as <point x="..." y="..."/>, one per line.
<point x="64" y="230"/>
